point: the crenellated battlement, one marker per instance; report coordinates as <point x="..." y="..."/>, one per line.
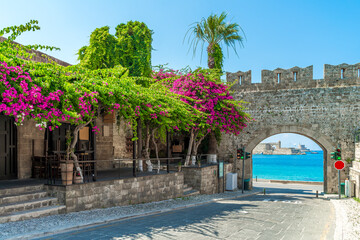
<point x="296" y="77"/>
<point x="341" y="71"/>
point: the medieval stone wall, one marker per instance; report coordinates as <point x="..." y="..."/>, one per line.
<point x="80" y="197"/>
<point x="326" y="110"/>
<point x="122" y="143"/>
<point x="104" y="151"/>
<point x="205" y="178"/>
<point x="26" y="134"/>
<point x="355" y="170"/>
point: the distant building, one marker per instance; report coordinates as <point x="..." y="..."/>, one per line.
<point x="276" y="149"/>
<point x="303" y="149"/>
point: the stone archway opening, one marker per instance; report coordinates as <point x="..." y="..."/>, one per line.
<point x="326" y="145"/>
<point x="289" y="157"/>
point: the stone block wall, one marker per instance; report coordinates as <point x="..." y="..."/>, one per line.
<point x="119" y="192"/>
<point x="242" y="78"/>
<point x="104" y="152"/>
<point x="341" y="71"/>
<point x="104" y="149"/>
<point x="354" y="171"/>
<point x="25" y="135"/>
<point x="205" y="178"/>
<point x="296" y="77"/>
<point x="121" y="133"/>
<point x="325" y="110"/>
<point x="287" y="76"/>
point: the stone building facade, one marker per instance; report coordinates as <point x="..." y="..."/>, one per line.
<point x="109" y="143"/>
<point x="291" y="101"/>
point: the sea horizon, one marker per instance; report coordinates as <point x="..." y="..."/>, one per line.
<point x="308" y="168"/>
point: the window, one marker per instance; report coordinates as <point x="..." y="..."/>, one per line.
<point x="278" y="77"/>
<point x="295" y="76"/>
<point x="240" y="80"/>
<point x="342" y="73"/>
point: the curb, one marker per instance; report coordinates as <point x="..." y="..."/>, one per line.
<point x="41" y="235"/>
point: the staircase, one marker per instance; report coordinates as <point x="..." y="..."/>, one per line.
<point x="27" y="202"/>
<point x="189" y="191"/>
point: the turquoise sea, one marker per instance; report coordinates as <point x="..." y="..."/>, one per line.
<point x="307" y="167"/>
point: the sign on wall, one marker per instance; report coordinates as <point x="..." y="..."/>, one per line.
<point x="221" y="169"/>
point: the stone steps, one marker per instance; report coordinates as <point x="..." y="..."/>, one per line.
<point x="18" y="190"/>
<point x="189" y="191"/>
<point x="21" y="197"/>
<point x="32" y="213"/>
<point x="27" y="202"/>
<point x="28" y="205"/>
<point x="192" y="192"/>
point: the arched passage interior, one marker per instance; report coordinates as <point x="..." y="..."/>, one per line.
<point x="322" y="141"/>
<point x="289" y="157"/>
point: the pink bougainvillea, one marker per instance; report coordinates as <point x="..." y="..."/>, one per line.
<point x="23" y="99"/>
<point x="208" y="96"/>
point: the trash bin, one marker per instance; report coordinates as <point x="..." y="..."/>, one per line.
<point x="342" y="188"/>
<point x="247" y="184"/>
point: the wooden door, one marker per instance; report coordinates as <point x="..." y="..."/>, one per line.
<point x="8" y="151"/>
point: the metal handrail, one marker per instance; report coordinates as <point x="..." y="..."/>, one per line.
<point x="55" y="174"/>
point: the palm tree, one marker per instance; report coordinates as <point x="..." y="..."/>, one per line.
<point x="215" y="31"/>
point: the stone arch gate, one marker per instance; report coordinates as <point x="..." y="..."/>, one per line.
<point x="322" y="141"/>
<point x="291" y="101"/>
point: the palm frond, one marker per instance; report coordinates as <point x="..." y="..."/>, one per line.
<point x="215" y="30"/>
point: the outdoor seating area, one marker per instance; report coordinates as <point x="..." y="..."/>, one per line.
<point x="55" y="170"/>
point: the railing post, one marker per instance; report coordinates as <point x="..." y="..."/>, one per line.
<point x="168" y="152"/>
<point x="119" y="168"/>
<point x="134" y="158"/>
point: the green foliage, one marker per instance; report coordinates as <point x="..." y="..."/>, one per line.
<point x="15" y="53"/>
<point x="217" y="55"/>
<point x="102" y="52"/>
<point x="134" y="43"/>
<point x="349" y="160"/>
<point x="131" y="48"/>
<point x="214" y="30"/>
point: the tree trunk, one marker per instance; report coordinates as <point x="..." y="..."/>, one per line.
<point x="191" y="141"/>
<point x="211" y="65"/>
<point x="212" y="144"/>
<point x="197" y="144"/>
<point x="147" y="148"/>
<point x="139" y="145"/>
<point x="70" y="149"/>
<point x="211" y="59"/>
<point x="156" y="149"/>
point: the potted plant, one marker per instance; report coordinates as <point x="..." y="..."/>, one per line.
<point x="179" y="166"/>
<point x="77" y="177"/>
<point x="67" y="173"/>
<point x="199" y="163"/>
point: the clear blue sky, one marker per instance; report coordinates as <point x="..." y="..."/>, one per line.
<point x="293" y="140"/>
<point x="280" y="33"/>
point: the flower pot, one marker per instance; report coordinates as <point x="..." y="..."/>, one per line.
<point x="77" y="179"/>
<point x="179" y="168"/>
<point x="211" y="158"/>
<point x="199" y="164"/>
<point x="67" y="173"/>
<point x="193" y="160"/>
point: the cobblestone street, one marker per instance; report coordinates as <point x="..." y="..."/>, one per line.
<point x="281" y="214"/>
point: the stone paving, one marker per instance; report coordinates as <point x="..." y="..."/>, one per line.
<point x="282" y="213"/>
